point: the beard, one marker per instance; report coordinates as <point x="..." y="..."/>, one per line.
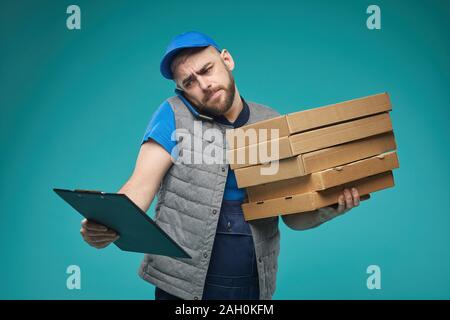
<point x="222" y="106"/>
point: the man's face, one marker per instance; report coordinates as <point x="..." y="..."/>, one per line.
<point x="206" y="79"/>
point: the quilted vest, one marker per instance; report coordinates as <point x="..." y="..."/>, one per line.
<point x="188" y="205"/>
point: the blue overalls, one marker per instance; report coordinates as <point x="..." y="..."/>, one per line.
<point x="232" y="271"/>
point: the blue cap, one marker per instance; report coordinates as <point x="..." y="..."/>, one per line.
<point x="190" y="39"/>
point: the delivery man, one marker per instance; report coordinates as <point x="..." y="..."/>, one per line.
<point x="199" y="205"/>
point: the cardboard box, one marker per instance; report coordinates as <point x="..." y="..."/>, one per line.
<point x="340" y="133"/>
<point x="287" y="168"/>
<point x="339" y="112"/>
<point x="348" y="152"/>
<point x="248" y="135"/>
<point x="324" y="179"/>
<point x="310" y="119"/>
<point x="354" y="171"/>
<point x="314" y="200"/>
<point x="314" y="160"/>
<point x="259" y="153"/>
<point x="317" y="160"/>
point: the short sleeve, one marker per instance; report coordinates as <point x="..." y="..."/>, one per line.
<point x="161" y="126"/>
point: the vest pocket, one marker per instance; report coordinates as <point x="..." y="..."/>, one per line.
<point x="233" y="223"/>
<point x="214" y="291"/>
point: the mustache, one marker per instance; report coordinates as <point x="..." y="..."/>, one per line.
<point x="210" y="93"/>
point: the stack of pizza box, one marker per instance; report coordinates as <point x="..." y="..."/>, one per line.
<point x="302" y="161"/>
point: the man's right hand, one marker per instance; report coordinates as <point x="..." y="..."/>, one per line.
<point x="151" y="166"/>
<point x="97" y="235"/>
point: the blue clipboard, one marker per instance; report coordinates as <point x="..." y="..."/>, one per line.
<point x="138" y="232"/>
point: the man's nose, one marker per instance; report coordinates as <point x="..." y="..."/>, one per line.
<point x="203" y="83"/>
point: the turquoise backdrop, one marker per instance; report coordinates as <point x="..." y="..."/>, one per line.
<point x="75" y="104"/>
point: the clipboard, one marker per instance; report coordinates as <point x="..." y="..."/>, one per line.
<point x="138" y="232"/>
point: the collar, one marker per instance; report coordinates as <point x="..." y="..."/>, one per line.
<point x="239" y="122"/>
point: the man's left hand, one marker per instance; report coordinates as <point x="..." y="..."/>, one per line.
<point x="347" y="200"/>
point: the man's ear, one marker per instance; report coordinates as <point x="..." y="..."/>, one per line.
<point x="227" y="59"/>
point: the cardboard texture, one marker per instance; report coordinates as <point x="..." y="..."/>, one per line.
<point x="353" y="171"/>
<point x="311" y="119"/>
<point x="339" y="112"/>
<point x="259" y="153"/>
<point x="310" y="201"/>
<point x="319" y="152"/>
<point x="243" y="136"/>
<point x="317" y="160"/>
<point x="310" y="141"/>
<point x="340" y="133"/>
<point x="348" y="152"/>
<point x="324" y="179"/>
<point x="287" y="168"/>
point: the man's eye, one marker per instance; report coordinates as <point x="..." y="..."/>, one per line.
<point x="205" y="71"/>
<point x="188" y="84"/>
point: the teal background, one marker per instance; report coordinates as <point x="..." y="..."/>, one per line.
<point x="75" y="104"/>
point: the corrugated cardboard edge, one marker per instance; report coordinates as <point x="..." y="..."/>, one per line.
<point x="324" y="179"/>
<point x="251" y="176"/>
<point x="279" y="189"/>
<point x="314" y="200"/>
<point x="279" y="123"/>
<point x="284" y="151"/>
<point x="348" y="152"/>
<point x="334" y="113"/>
<point x="340" y="133"/>
<point x="380" y="163"/>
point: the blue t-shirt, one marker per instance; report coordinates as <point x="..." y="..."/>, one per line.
<point x="160" y="129"/>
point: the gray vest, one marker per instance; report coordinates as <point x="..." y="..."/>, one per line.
<point x="188" y="206"/>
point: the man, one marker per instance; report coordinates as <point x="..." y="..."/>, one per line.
<point x="199" y="205"/>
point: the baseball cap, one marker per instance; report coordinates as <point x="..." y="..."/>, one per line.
<point x="191" y="39"/>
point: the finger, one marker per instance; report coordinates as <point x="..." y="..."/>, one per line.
<point x="356" y="199"/>
<point x="90" y="233"/>
<point x="98" y="239"/>
<point x="104" y="244"/>
<point x="101" y="237"/>
<point x="341" y="203"/>
<point x="348" y="199"/>
<point x="110" y="233"/>
<point x="97" y="235"/>
<point x="101" y="245"/>
<point x="94" y="226"/>
<point x="94" y="235"/>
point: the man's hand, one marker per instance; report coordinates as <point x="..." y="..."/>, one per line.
<point x="307" y="220"/>
<point x="151" y="166"/>
<point x="347" y="200"/>
<point x="97" y="235"/>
